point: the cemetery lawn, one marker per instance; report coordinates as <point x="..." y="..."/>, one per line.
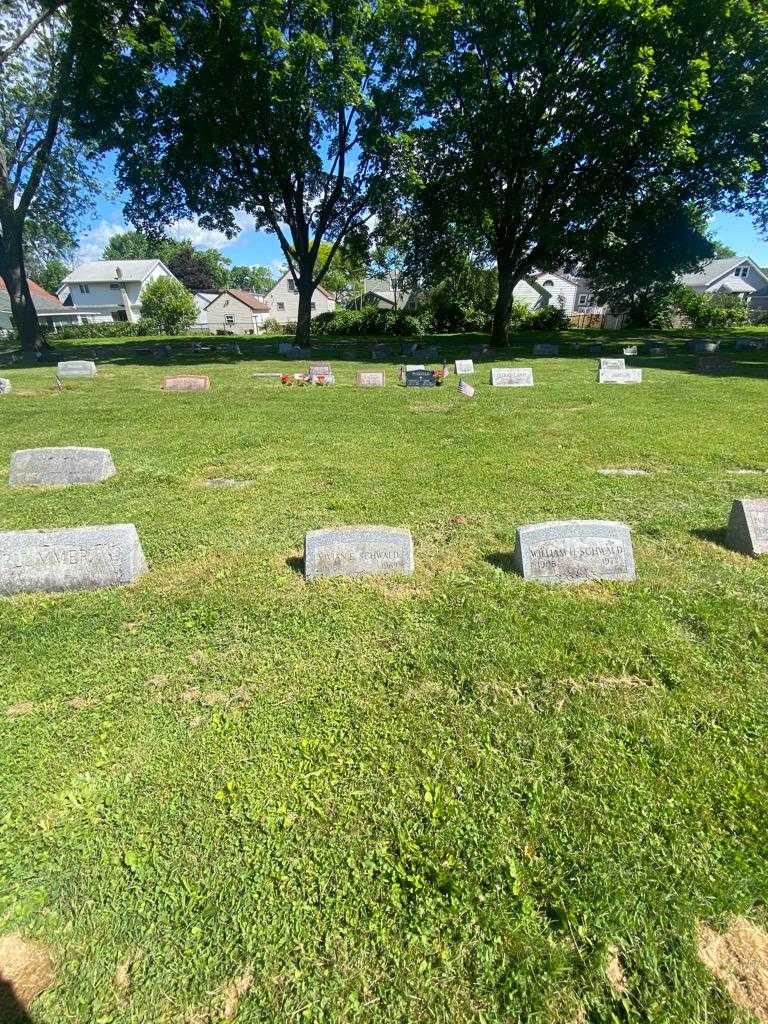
<point x="227" y="794"/>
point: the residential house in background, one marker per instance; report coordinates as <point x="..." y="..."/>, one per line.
<point x="385" y="293"/>
<point x="50" y="310"/>
<point x="736" y="275"/>
<point x="111" y="289"/>
<point x="283" y="301"/>
<point x="556" y="288"/>
<point x="235" y="312"/>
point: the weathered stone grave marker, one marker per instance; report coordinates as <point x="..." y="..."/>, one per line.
<point x="371" y="379"/>
<point x="84" y="558"/>
<point x="748" y="526"/>
<point x="512" y="377"/>
<point x="76" y="368"/>
<point x="625" y="376"/>
<point x="464" y="366"/>
<point x="357" y="551"/>
<point x="546" y="349"/>
<point x="420" y="378"/>
<point x="574" y="551"/>
<point x="52" y="467"/>
<point x="188" y="382"/>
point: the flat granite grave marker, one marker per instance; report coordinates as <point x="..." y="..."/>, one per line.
<point x="52" y="467"/>
<point x="512" y="377"/>
<point x="612" y="364"/>
<point x="371" y="379"/>
<point x="625" y="376"/>
<point x="319" y="370"/>
<point x="414" y="366"/>
<point x="464" y="366"/>
<point x="267" y="376"/>
<point x="546" y="349"/>
<point x="574" y="551"/>
<point x="191" y="382"/>
<point x="748" y="526"/>
<point x="420" y="379"/>
<point x="76" y="368"/>
<point x="357" y="551"/>
<point x="5" y="386"/>
<point x="85" y="558"/>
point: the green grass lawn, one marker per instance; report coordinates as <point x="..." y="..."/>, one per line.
<point x="442" y="798"/>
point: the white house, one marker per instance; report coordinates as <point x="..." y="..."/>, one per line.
<point x="235" y="312"/>
<point x="111" y="289"/>
<point x="556" y="288"/>
<point x="283" y="301"/>
<point x="736" y="275"/>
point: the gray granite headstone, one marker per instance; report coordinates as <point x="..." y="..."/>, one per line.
<point x="574" y="551"/>
<point x="626" y="376"/>
<point x="84" y="558"/>
<point x="51" y="467"/>
<point x="5" y="386"/>
<point x="512" y="377"/>
<point x="748" y="526"/>
<point x="703" y="347"/>
<point x="464" y="366"/>
<point x="357" y="551"/>
<point x="371" y="379"/>
<point x="76" y="368"/>
<point x="187" y="382"/>
<point x="546" y="349"/>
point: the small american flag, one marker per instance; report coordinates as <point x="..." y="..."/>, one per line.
<point x="466" y="389"/>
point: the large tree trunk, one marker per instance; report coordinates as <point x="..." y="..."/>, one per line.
<point x="507" y="281"/>
<point x="304" y="320"/>
<point x="22" y="308"/>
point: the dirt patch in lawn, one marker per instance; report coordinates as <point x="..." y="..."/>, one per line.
<point x="614" y="972"/>
<point x="225" y="1001"/>
<point x="26" y="970"/>
<point x="24" y="707"/>
<point x="738" y="958"/>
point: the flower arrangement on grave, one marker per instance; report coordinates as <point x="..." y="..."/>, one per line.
<point x="286" y="379"/>
<point x="319" y="379"/>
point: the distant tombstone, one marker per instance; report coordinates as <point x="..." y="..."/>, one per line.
<point x="414" y="366"/>
<point x="747" y="345"/>
<point x="464" y="366"/>
<point x="371" y="379"/>
<point x="76" y="368"/>
<point x="84" y="558"/>
<point x="382" y="352"/>
<point x="512" y="377"/>
<point x="192" y="382"/>
<point x="319" y="370"/>
<point x="546" y="349"/>
<point x="60" y="467"/>
<point x="267" y="376"/>
<point x="748" y="526"/>
<point x="625" y="376"/>
<point x="630" y="350"/>
<point x="285" y="348"/>
<point x="655" y="349"/>
<point x="574" y="551"/>
<point x="612" y="364"/>
<point x="594" y="350"/>
<point x="5" y="386"/>
<point x="712" y="364"/>
<point x="357" y="551"/>
<point x="702" y="347"/>
<point x="420" y="379"/>
<point x="428" y="353"/>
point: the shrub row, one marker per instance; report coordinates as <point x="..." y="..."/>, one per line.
<point x="372" y="320"/>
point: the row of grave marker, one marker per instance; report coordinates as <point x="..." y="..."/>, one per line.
<point x="83" y="558"/>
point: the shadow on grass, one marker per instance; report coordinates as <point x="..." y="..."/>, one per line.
<point x="296" y="564"/>
<point x="503" y="560"/>
<point x="712" y="537"/>
<point x="11" y="1010"/>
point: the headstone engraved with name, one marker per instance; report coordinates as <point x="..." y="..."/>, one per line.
<point x="84" y="558"/>
<point x="267" y="376"/>
<point x="612" y="364"/>
<point x="5" y="386"/>
<point x="748" y="526"/>
<point x="371" y="379"/>
<point x="712" y="364"/>
<point x="625" y="376"/>
<point x="319" y="370"/>
<point x="574" y="551"/>
<point x="546" y="349"/>
<point x="630" y="350"/>
<point x="52" y="467"/>
<point x="512" y="377"/>
<point x="464" y="366"/>
<point x="703" y="347"/>
<point x="188" y="382"/>
<point x="286" y="348"/>
<point x="420" y="379"/>
<point x="414" y="366"/>
<point x="76" y="368"/>
<point x="357" y="551"/>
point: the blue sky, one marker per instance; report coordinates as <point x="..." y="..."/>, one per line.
<point x="252" y="246"/>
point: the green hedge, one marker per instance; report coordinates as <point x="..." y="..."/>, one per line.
<point x="372" y="320"/>
<point x="116" y="329"/>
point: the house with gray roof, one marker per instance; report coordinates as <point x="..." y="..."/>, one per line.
<point x="736" y="275"/>
<point x="111" y="289"/>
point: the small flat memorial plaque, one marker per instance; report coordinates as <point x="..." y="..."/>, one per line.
<point x="574" y="551"/>
<point x="371" y="379"/>
<point x="84" y="558"/>
<point x="626" y="376"/>
<point x="420" y="379"/>
<point x="546" y="349"/>
<point x="192" y="382"/>
<point x="267" y="376"/>
<point x="748" y="526"/>
<point x="464" y="366"/>
<point x="60" y="467"/>
<point x="512" y="377"/>
<point x="76" y="368"/>
<point x="414" y="366"/>
<point x="357" y="551"/>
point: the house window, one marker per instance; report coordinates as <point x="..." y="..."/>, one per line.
<point x="313" y="305"/>
<point x="741" y="271"/>
<point x="281" y="305"/>
<point x="114" y="285"/>
<point x="549" y="284"/>
<point x="84" y="289"/>
<point x="229" y="319"/>
<point x="292" y="286"/>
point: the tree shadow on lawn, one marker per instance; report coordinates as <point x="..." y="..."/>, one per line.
<point x="11" y="1010"/>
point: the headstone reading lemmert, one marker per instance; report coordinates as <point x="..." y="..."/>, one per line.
<point x="5" y="386"/>
<point x="420" y="379"/>
<point x="76" y="368"/>
<point x="51" y="467"/>
<point x="84" y="558"/>
<point x="546" y="349"/>
<point x="574" y="551"/>
<point x="190" y="382"/>
<point x="464" y="366"/>
<point x="748" y="526"/>
<point x="371" y="379"/>
<point x="512" y="377"/>
<point x="357" y="551"/>
<point x="626" y="376"/>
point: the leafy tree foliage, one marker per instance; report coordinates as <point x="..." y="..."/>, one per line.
<point x="50" y="275"/>
<point x="256" y="279"/>
<point x="134" y="245"/>
<point x="198" y="270"/>
<point x="168" y="306"/>
<point x="542" y="123"/>
<point x="346" y="270"/>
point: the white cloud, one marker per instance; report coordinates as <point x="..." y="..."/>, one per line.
<point x="208" y="238"/>
<point x="93" y="243"/>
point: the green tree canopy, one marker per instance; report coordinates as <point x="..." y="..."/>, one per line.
<point x="168" y="306"/>
<point x="256" y="279"/>
<point x="198" y="270"/>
